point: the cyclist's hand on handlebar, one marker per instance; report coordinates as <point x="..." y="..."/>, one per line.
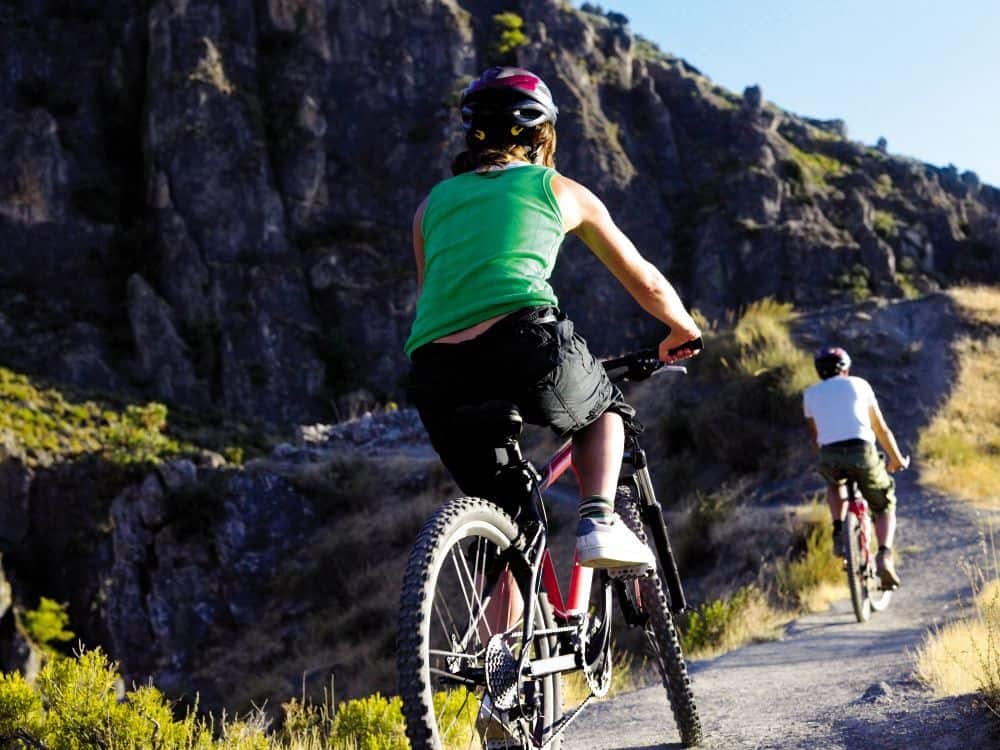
<point x="681" y="344"/>
<point x="894" y="465"/>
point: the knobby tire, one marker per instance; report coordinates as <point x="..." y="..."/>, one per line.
<point x="431" y="606"/>
<point x="662" y="634"/>
<point x="855" y="575"/>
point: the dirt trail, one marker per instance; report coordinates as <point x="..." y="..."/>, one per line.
<point x="830" y="682"/>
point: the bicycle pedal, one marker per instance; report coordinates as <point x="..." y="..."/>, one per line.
<point x="630" y="573"/>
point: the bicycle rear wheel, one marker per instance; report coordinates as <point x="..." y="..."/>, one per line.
<point x="446" y="623"/>
<point x="661" y="634"/>
<point x="857" y="568"/>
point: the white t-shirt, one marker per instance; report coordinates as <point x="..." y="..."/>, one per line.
<point x="840" y="408"/>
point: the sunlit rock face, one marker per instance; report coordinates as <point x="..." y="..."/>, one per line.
<point x="209" y="202"/>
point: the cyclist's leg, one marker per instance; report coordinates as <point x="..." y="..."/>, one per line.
<point x="576" y="398"/>
<point x="879" y="489"/>
<point x="836" y="495"/>
<point x="597" y="455"/>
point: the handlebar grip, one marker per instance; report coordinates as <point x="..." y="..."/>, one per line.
<point x="694" y="345"/>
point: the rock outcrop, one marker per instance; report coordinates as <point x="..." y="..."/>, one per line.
<point x="208" y="202"/>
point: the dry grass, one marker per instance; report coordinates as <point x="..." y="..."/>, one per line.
<point x="960" y="449"/>
<point x="964" y="656"/>
<point x="812" y="578"/>
<point x="980" y="304"/>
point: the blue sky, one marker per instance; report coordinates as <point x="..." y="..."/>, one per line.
<point x="925" y="74"/>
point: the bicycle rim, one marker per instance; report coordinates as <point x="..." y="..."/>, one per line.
<point x="448" y="616"/>
<point x="857" y="569"/>
<point x="661" y="634"/>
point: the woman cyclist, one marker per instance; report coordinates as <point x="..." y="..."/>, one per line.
<point x="488" y="326"/>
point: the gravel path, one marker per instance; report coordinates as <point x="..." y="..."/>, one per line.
<point x="832" y="683"/>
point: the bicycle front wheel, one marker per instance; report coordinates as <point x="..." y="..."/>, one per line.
<point x="661" y="634"/>
<point x="461" y="622"/>
<point x="857" y="568"/>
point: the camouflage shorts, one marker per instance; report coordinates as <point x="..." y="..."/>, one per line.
<point x="864" y="464"/>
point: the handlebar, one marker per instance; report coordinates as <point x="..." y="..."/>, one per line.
<point x="643" y="363"/>
<point x="638" y="366"/>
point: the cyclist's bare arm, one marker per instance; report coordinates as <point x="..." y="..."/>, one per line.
<point x="811" y="424"/>
<point x="887" y="440"/>
<point x="418" y="243"/>
<point x="586" y="216"/>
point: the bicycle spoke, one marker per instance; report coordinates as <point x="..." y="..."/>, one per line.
<point x="478" y="611"/>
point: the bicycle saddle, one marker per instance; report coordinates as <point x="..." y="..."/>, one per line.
<point x="499" y="419"/>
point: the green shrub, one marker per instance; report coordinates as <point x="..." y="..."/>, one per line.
<point x="885" y="224"/>
<point x="856" y="282"/>
<point x="47" y="428"/>
<point x="883" y="185"/>
<point x="458" y="711"/>
<point x="373" y="723"/>
<point x="508" y="35"/>
<point x="706" y="627"/>
<point x="812" y="169"/>
<point x="76" y="703"/>
<point x="47" y="624"/>
<point x="20" y="706"/>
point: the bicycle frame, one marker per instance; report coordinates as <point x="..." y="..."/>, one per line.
<point x="569" y="612"/>
<point x="858" y="507"/>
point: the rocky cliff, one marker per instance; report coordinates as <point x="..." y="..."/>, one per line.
<point x="208" y="202"/>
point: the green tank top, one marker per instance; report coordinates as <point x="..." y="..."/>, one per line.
<point x="490" y="244"/>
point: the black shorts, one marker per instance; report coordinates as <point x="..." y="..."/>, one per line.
<point x="532" y="358"/>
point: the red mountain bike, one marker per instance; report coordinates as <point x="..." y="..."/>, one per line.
<point x="471" y="678"/>
<point x="867" y="594"/>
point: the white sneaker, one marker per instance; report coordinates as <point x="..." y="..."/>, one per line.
<point x="611" y="544"/>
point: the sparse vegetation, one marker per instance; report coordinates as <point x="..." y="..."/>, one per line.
<point x="44" y="427"/>
<point x="730" y="622"/>
<point x="814" y="170"/>
<point x="508" y="36"/>
<point x="813" y="577"/>
<point x="760" y="374"/>
<point x="856" y="282"/>
<point x="964" y="657"/>
<point x="883" y="185"/>
<point x="75" y="703"/>
<point x="960" y="449"/>
<point x="210" y="70"/>
<point x="885" y="224"/>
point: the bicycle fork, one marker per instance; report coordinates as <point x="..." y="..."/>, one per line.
<point x="652" y="515"/>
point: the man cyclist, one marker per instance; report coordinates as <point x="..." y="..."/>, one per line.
<point x="845" y="420"/>
<point x="488" y="326"/>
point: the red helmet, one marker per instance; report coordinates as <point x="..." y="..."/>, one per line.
<point x="513" y="96"/>
<point x="832" y="361"/>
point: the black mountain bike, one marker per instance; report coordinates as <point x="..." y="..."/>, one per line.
<point x="484" y="632"/>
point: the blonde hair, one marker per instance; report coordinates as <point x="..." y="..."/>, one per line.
<point x="543" y="145"/>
